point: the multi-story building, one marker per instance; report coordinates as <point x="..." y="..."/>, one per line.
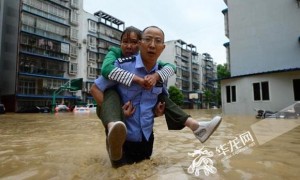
<point x="209" y="72"/>
<point x="99" y="31"/>
<point x="209" y="76"/>
<point x="263" y="55"/>
<point x="45" y="44"/>
<point x="188" y="75"/>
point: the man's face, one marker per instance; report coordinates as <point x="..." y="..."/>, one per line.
<point x="152" y="44"/>
<point x="129" y="44"/>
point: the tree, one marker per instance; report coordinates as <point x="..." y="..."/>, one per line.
<point x="176" y="95"/>
<point x="222" y="72"/>
<point x="208" y="97"/>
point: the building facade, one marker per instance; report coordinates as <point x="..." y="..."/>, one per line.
<point x="209" y="83"/>
<point x="263" y="54"/>
<point x="47" y="43"/>
<point x="188" y="77"/>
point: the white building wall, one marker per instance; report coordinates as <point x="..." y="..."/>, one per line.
<point x="280" y="88"/>
<point x="263" y="38"/>
<point x="168" y="55"/>
<point x="83" y="53"/>
<point x="263" y="35"/>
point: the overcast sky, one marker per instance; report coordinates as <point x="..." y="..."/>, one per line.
<point x="197" y="22"/>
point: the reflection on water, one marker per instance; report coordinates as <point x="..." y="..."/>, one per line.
<point x="68" y="146"/>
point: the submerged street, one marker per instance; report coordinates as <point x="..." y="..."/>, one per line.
<point x="72" y="146"/>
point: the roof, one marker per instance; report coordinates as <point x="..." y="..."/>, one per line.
<point x="108" y="17"/>
<point x="261" y="73"/>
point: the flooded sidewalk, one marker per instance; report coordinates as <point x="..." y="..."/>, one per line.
<point x="72" y="146"/>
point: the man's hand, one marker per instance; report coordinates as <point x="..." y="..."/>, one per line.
<point x="151" y="80"/>
<point x="141" y="81"/>
<point x="128" y="109"/>
<point x="159" y="109"/>
<point x="148" y="81"/>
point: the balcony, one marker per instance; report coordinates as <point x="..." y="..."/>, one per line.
<point x="40" y="13"/>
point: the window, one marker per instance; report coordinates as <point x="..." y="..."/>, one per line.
<point x="54" y="83"/>
<point x="261" y="91"/>
<point x="265" y="91"/>
<point x="73" y="51"/>
<point x="74" y="34"/>
<point x="230" y="94"/>
<point x="233" y="94"/>
<point x="26" y="86"/>
<point x="103" y="45"/>
<point x="73" y="68"/>
<point x="178" y="50"/>
<point x="92" y="41"/>
<point x="92" y="56"/>
<point x="256" y="91"/>
<point x="75" y="3"/>
<point x="296" y="85"/>
<point x="92" y="26"/>
<point x="74" y="17"/>
<point x="92" y="72"/>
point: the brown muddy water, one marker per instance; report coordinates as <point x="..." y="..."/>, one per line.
<point x="72" y="146"/>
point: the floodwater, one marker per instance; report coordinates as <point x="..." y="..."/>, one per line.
<point x="72" y="146"/>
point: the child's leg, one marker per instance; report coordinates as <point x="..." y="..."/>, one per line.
<point x="177" y="119"/>
<point x="110" y="110"/>
<point x="174" y="115"/>
<point x="110" y="113"/>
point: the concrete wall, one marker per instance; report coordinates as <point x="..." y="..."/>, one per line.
<point x="263" y="35"/>
<point x="280" y="90"/>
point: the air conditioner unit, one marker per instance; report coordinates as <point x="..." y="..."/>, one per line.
<point x="99" y="60"/>
<point x="84" y="41"/>
<point x="78" y="45"/>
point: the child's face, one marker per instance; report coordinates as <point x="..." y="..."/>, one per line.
<point x="129" y="44"/>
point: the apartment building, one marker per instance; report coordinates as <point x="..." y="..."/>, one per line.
<point x="47" y="43"/>
<point x="188" y="76"/>
<point x="263" y="54"/>
<point x="99" y="31"/>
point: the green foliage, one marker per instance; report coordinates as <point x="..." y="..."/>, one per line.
<point x="208" y="96"/>
<point x="222" y="71"/>
<point x="176" y="95"/>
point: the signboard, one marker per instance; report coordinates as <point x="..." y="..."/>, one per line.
<point x="193" y="96"/>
